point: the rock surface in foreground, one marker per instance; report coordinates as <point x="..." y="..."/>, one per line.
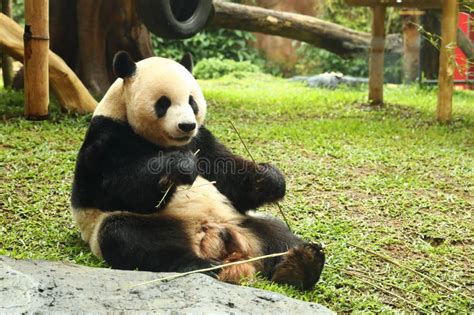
<point x="43" y="286"/>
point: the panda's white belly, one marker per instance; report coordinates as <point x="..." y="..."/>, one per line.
<point x="205" y="213"/>
<point x="202" y="199"/>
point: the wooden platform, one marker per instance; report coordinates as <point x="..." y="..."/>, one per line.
<point x="450" y="11"/>
<point x="420" y="4"/>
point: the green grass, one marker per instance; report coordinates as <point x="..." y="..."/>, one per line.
<point x="391" y="180"/>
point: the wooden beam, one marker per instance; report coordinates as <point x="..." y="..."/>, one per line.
<point x="335" y="38"/>
<point x="376" y="66"/>
<point x="71" y="93"/>
<point x="420" y="4"/>
<point x="36" y="46"/>
<point x="447" y="59"/>
<point x="7" y="69"/>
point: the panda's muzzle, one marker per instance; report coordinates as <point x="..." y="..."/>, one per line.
<point x="179" y="139"/>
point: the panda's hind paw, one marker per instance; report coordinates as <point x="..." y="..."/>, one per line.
<point x="301" y="267"/>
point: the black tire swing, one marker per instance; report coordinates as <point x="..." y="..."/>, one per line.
<point x="174" y="19"/>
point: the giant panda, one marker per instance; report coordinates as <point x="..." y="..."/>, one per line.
<point x="154" y="190"/>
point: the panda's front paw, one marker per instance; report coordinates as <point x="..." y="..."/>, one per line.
<point x="183" y="168"/>
<point x="268" y="184"/>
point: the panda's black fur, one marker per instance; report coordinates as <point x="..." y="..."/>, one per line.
<point x="122" y="201"/>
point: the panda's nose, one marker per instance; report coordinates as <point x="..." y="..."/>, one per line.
<point x="187" y="127"/>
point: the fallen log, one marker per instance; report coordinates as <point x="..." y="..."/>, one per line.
<point x="335" y="38"/>
<point x="70" y="91"/>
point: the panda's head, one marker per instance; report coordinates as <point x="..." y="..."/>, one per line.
<point x="162" y="101"/>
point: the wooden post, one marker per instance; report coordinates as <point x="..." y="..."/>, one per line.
<point x="376" y="66"/>
<point x="7" y="69"/>
<point x="36" y="43"/>
<point x="446" y="59"/>
<point x="411" y="44"/>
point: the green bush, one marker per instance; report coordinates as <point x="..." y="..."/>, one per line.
<point x="211" y="43"/>
<point x="314" y="61"/>
<point x="212" y="68"/>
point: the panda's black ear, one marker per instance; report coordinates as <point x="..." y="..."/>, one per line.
<point x="187" y="62"/>
<point x="124" y="66"/>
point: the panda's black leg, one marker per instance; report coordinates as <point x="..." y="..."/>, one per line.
<point x="301" y="267"/>
<point x="150" y="243"/>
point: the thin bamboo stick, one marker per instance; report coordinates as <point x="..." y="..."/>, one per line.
<point x="179" y="275"/>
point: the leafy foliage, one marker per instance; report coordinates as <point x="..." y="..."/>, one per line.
<point x="213" y="68"/>
<point x="358" y="18"/>
<point x="18" y="11"/>
<point x="211" y="43"/>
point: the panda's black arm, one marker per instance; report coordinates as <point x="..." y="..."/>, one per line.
<point x="117" y="182"/>
<point x="117" y="170"/>
<point x="245" y="184"/>
<point x="143" y="180"/>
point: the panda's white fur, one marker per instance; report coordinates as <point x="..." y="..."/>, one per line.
<point x="132" y="100"/>
<point x="206" y="211"/>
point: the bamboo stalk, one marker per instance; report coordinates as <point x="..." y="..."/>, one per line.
<point x="179" y="275"/>
<point x="360" y="273"/>
<point x="243" y="143"/>
<point x="36" y="50"/>
<point x="387" y="292"/>
<point x="280" y="209"/>
<point x="164" y="196"/>
<point x="396" y="263"/>
<point x="170" y="186"/>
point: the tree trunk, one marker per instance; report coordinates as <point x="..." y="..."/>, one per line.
<point x="335" y="38"/>
<point x="87" y="34"/>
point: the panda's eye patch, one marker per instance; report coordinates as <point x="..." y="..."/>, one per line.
<point x="193" y="104"/>
<point x="161" y="106"/>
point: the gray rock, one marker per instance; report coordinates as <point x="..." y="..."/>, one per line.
<point x="330" y="80"/>
<point x="35" y="286"/>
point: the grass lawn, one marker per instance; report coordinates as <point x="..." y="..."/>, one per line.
<point x="391" y="181"/>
